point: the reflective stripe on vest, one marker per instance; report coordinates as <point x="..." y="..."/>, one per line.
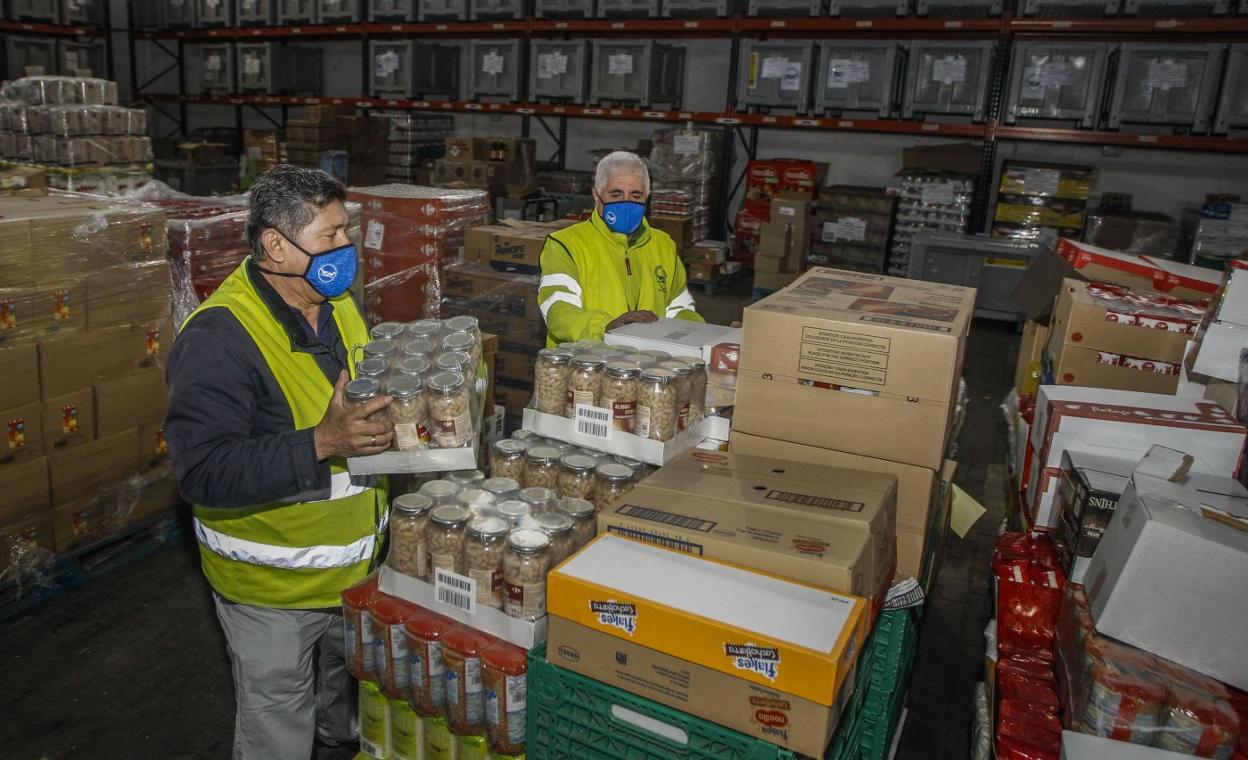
<point x="285" y="557"/>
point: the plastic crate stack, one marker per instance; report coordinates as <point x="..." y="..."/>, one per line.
<point x="684" y="175"/>
<point x="73" y="127"/>
<point x="869" y="721"/>
<point x="410" y="233"/>
<point x="416" y="141"/>
<point x="937" y="201"/>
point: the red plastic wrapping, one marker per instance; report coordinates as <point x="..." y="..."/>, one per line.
<point x="409" y="234"/>
<point x="1015" y="687"/>
<point x="1029" y="584"/>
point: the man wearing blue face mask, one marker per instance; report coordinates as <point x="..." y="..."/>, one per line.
<point x="612" y="269"/>
<point x="258" y="434"/>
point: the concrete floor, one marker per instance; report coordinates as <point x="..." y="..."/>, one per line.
<point x="133" y="665"/>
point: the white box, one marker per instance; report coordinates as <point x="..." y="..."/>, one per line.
<point x="1218" y="352"/>
<point x="1168" y="576"/>
<point x="624" y="444"/>
<point x="1123" y="425"/>
<point x="678" y="337"/>
<point x="523" y="633"/>
<point x="1077" y="746"/>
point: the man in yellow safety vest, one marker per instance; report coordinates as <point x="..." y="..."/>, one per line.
<point x="614" y="268"/>
<point x="258" y="432"/>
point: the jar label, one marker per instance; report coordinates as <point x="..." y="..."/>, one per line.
<point x="454" y="432"/>
<point x="474" y="699"/>
<point x="623" y="413"/>
<point x="489" y="586"/>
<point x="367" y="648"/>
<point x="642" y="426"/>
<point x="398" y="657"/>
<point x="407" y="732"/>
<point x="407" y="436"/>
<point x="683" y="421"/>
<point x="526" y="600"/>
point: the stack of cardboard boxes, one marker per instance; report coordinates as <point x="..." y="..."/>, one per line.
<point x="859" y="371"/>
<point x="853" y="227"/>
<point x="84" y="323"/>
<point x="313" y="134"/>
<point x="366" y="140"/>
<point x="416" y="141"/>
<point x="409" y="234"/>
<point x="498" y="285"/>
<point x="264" y="145"/>
<point x="783" y="242"/>
<point x="502" y="166"/>
<point x="1040" y="202"/>
<point x="684" y="177"/>
<point x="707" y="261"/>
<point x="764" y="180"/>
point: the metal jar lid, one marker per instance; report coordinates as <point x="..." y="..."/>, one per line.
<point x="696" y="362"/>
<point x="450" y="515"/>
<point x="500" y="485"/>
<point x="509" y="448"/>
<point x="386" y="330"/>
<point x="439" y="489"/>
<point x="577" y="462"/>
<point x="658" y="375"/>
<point x="512" y="509"/>
<point x="404" y="387"/>
<point x="623" y="369"/>
<point x="363" y="388"/>
<point x="553" y="523"/>
<point x="424" y="328"/>
<point x="537" y="495"/>
<point x="616" y="473"/>
<point x="655" y="355"/>
<point x="463" y="478"/>
<point x="588" y="361"/>
<point x="373" y="366"/>
<point x="413" y="504"/>
<point x="419" y="346"/>
<point x="678" y="368"/>
<point x="488" y="528"/>
<point x="381" y="347"/>
<point x="447" y="383"/>
<point x="415" y="366"/>
<point x="577" y="509"/>
<point x="453" y="361"/>
<point x="462" y="323"/>
<point x="459" y="341"/>
<point x="555" y="355"/>
<point x="528" y="542"/>
<point x="543" y="454"/>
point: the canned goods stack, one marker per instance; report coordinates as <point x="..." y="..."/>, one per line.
<point x="416" y="141"/>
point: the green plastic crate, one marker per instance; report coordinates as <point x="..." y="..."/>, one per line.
<point x="570" y="715"/>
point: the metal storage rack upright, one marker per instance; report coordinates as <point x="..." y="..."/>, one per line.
<point x="742" y="121"/>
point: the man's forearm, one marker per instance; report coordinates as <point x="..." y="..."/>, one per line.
<point x="244" y="472"/>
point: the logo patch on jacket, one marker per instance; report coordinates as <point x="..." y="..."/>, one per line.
<point x="660" y="276"/>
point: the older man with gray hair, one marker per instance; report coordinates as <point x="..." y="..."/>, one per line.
<point x="612" y="269"/>
<point x="259" y="432"/>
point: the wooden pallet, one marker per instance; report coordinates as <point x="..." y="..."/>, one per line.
<point x="710" y="287"/>
<point x="72" y="570"/>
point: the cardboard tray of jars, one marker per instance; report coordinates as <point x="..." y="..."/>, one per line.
<point x="592" y="430"/>
<point x="416" y="461"/>
<point x="451" y="595"/>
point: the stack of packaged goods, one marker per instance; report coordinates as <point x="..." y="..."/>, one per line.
<point x="366" y="141"/>
<point x="416" y="141"/>
<point x="926" y="200"/>
<point x="1217" y="354"/>
<point x="684" y="178"/>
<point x="505" y="167"/>
<point x="74" y="129"/>
<point x="853" y="228"/>
<point x="783" y="243"/>
<point x="842" y="409"/>
<point x="264" y="147"/>
<point x="570" y="189"/>
<point x="1041" y="202"/>
<point x="766" y="179"/>
<point x="410" y="233"/>
<point x="1216" y="233"/>
<point x="1114" y="225"/>
<point x="312" y="140"/>
<point x="84" y="323"/>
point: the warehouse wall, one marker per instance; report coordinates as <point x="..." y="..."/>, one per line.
<point x="1166" y="181"/>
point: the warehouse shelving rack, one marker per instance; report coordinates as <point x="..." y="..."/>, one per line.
<point x="34" y="29"/>
<point x="742" y="128"/>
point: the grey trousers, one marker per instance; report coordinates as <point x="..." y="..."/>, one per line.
<point x="291" y="683"/>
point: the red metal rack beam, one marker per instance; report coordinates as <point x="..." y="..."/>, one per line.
<point x="49" y="30"/>
<point x="1210" y="144"/>
<point x="1211" y="26"/>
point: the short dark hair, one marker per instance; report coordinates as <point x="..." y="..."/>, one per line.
<point x="287" y="198"/>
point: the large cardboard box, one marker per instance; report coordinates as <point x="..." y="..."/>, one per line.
<point x="855" y="362"/>
<point x="1168" y="576"/>
<point x="519" y="249"/>
<point x="153" y="451"/>
<point x="467" y="149"/>
<point x="771" y="281"/>
<point x="1148" y="274"/>
<point x="1070" y="364"/>
<point x="1030" y="355"/>
<point x="753" y="709"/>
<point x="139" y="398"/>
<point x="479" y="243"/>
<point x="24" y="489"/>
<point x="825" y="526"/>
<point x="1081" y="320"/>
<point x="84" y="521"/>
<point x="19" y="375"/>
<point x="1124" y="425"/>
<point x="77" y="360"/>
<point x="33" y="531"/>
<point x="964" y="158"/>
<point x="1087" y="495"/>
<point x="23" y="433"/>
<point x="679" y="228"/>
<point x="129" y="293"/>
<point x="80" y="472"/>
<point x="68" y="420"/>
<point x="797" y="639"/>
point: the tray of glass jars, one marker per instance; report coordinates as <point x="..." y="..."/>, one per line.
<point x="434" y="372"/>
<point x="591" y="430"/>
<point x="450" y="596"/>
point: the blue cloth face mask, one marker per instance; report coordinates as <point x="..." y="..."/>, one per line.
<point x="623" y="217"/>
<point x="330" y="273"/>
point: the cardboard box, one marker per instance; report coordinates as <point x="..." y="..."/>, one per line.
<point x="139" y="398"/>
<point x="159" y="494"/>
<point x="1087" y="495"/>
<point x="514" y="365"/>
<point x="776" y="239"/>
<point x="678" y="337"/>
<point x="1143" y="273"/>
<point x="771" y="281"/>
<point x="512" y="398"/>
<point x="19" y="378"/>
<point x="58" y="306"/>
<point x="1079" y="746"/>
<point x="1030" y="357"/>
<point x="23" y="433"/>
<point x="679" y="228"/>
<point x="519" y="249"/>
<point x="153" y="451"/>
<point x="1071" y="365"/>
<point x="706" y="251"/>
<point x="479" y="243"/>
<point x="467" y="149"/>
<point x="80" y="523"/>
<point x="34" y="531"/>
<point x="899" y="340"/>
<point x="767" y="264"/>
<point x="963" y="158"/>
<point x="1079" y="319"/>
<point x="796" y="639"/>
<point x="1168" y="577"/>
<point x="1122" y="424"/>
<point x="753" y="709"/>
<point x="826" y="526"/>
<point x="77" y="360"/>
<point x="127" y="294"/>
<point x="1046" y="180"/>
<point x="791" y="210"/>
<point x="703" y="271"/>
<point x="79" y="472"/>
<point x="68" y="420"/>
<point x="24" y="489"/>
<point x="1138" y="232"/>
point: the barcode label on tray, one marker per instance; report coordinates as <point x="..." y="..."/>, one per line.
<point x="456" y="590"/>
<point x="593" y="420"/>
